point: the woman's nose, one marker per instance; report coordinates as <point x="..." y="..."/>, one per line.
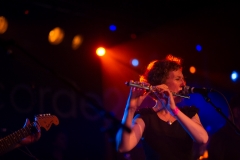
<point x="183" y="82"/>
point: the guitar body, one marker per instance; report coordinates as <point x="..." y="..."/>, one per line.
<point x="43" y="120"/>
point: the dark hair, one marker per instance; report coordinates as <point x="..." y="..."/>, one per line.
<point x="157" y="71"/>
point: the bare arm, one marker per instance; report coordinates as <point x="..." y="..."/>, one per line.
<point x="194" y="127"/>
<point x="127" y="141"/>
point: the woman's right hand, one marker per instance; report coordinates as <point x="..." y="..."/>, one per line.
<point x="136" y="97"/>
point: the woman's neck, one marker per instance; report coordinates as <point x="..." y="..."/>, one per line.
<point x="159" y="108"/>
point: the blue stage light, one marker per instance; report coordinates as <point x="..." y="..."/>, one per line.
<point x="112" y="27"/>
<point x="135" y="62"/>
<point x="198" y="48"/>
<point x="234" y="76"/>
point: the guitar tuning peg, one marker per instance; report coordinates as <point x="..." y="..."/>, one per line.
<point x="43" y="115"/>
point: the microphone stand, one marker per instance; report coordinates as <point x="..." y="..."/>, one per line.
<point x="206" y="97"/>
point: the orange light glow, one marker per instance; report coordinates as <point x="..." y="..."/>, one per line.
<point x="204" y="156"/>
<point x="56" y="36"/>
<point x="172" y="58"/>
<point x="3" y="24"/>
<point x="76" y="42"/>
<point x="100" y="51"/>
<point x="192" y="69"/>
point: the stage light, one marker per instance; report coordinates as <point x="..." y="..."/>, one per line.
<point x="3" y="24"/>
<point x="76" y="42"/>
<point x="204" y="156"/>
<point x="234" y="76"/>
<point x="26" y="12"/>
<point x="192" y="69"/>
<point x="56" y="36"/>
<point x="135" y="62"/>
<point x="199" y="48"/>
<point x="100" y="51"/>
<point x="133" y="36"/>
<point x="112" y="27"/>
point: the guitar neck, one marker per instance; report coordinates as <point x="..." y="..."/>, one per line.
<point x="12" y="139"/>
<point x="43" y="120"/>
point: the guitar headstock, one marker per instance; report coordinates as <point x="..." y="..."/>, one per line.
<point x="46" y="120"/>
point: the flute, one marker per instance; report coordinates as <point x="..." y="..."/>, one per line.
<point x="151" y="88"/>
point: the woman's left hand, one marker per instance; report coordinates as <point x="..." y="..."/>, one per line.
<point x="165" y="97"/>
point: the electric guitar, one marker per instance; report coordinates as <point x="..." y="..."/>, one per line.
<point x="43" y="120"/>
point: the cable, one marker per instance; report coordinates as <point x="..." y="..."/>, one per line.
<point x="229" y="108"/>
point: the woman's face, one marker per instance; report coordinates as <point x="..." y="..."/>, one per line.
<point x="175" y="82"/>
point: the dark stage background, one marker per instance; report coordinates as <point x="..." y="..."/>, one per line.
<point x="87" y="93"/>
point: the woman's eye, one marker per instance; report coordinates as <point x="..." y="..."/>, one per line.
<point x="180" y="79"/>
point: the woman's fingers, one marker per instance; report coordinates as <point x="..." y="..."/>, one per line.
<point x="137" y="92"/>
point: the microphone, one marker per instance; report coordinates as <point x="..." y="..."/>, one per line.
<point x="188" y="90"/>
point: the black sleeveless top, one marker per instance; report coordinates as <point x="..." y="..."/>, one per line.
<point x="162" y="141"/>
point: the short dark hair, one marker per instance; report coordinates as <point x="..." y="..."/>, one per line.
<point x="157" y="71"/>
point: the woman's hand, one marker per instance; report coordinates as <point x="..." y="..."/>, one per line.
<point x="165" y="96"/>
<point x="136" y="97"/>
